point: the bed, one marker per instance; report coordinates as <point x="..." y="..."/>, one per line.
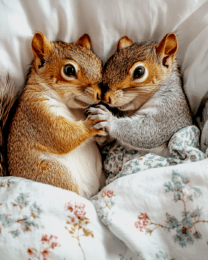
<point x="154" y="208"/>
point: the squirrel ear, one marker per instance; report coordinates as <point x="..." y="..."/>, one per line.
<point x="85" y="41"/>
<point x="124" y="42"/>
<point x="41" y="46"/>
<point x="167" y="49"/>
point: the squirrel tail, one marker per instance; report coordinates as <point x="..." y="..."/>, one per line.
<point x="8" y="96"/>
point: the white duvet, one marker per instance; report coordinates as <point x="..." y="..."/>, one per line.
<point x="154" y="214"/>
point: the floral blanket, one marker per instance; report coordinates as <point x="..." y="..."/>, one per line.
<point x="183" y="147"/>
<point x="158" y="213"/>
<point x="151" y="213"/>
<point x="39" y="221"/>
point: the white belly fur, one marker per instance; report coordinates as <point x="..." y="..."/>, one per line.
<point x="84" y="162"/>
<point x="85" y="165"/>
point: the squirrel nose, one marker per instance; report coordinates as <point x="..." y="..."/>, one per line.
<point x="98" y="96"/>
<point x="107" y="98"/>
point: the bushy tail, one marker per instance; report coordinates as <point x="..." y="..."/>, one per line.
<point x="8" y="96"/>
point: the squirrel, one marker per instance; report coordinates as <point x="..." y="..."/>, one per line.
<point x="50" y="139"/>
<point x="142" y="81"/>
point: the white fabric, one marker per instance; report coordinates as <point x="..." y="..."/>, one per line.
<point x="159" y="213"/>
<point x="31" y="212"/>
<point x="105" y="22"/>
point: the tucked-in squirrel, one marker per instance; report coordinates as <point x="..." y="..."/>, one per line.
<point x="142" y="80"/>
<point x="50" y="138"/>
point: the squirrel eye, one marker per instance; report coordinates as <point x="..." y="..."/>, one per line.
<point x="139" y="72"/>
<point x="69" y="70"/>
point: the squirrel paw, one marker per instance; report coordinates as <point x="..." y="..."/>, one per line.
<point x="102" y="116"/>
<point x="90" y="123"/>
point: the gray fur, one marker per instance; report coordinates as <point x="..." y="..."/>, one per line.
<point x="155" y="122"/>
<point x="165" y="113"/>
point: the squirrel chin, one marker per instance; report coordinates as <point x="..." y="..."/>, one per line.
<point x="125" y="106"/>
<point x="81" y="103"/>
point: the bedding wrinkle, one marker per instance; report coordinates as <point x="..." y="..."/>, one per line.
<point x="37" y="14"/>
<point x="61" y="19"/>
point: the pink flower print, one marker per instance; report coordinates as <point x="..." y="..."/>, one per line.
<point x="79" y="210"/>
<point x="45" y="239"/>
<point x="72" y="219"/>
<point x="54" y="244"/>
<point x="69" y="206"/>
<point x="141" y="226"/>
<point x="142" y="223"/>
<point x="50" y="242"/>
<point x="31" y="252"/>
<point x="45" y="254"/>
<point x="79" y="206"/>
<point x="53" y="237"/>
<point x="78" y="223"/>
<point x="108" y="193"/>
<point x="137" y="224"/>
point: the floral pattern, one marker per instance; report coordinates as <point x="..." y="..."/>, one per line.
<point x="30" y="210"/>
<point x="47" y="243"/>
<point x="162" y="256"/>
<point x="78" y="222"/>
<point x="183" y="147"/>
<point x="125" y="255"/>
<point x="103" y="209"/>
<point x="141" y="224"/>
<point x="186" y="228"/>
<point x="27" y="214"/>
<point x="23" y="212"/>
<point x="7" y="183"/>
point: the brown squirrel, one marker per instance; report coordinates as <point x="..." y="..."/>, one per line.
<point x="142" y="80"/>
<point x="50" y="139"/>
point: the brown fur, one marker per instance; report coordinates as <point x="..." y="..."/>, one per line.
<point x="124" y="42"/>
<point x="35" y="129"/>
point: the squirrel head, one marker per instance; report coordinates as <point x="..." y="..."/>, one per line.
<point x="134" y="73"/>
<point x="72" y="70"/>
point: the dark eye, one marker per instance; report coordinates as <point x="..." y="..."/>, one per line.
<point x="69" y="70"/>
<point x="139" y="72"/>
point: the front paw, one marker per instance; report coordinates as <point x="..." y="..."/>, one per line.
<point x="102" y="116"/>
<point x="89" y="124"/>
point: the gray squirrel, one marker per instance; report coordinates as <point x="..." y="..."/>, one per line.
<point x="142" y="80"/>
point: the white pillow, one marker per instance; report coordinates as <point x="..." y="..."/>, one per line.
<point x="106" y="22"/>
